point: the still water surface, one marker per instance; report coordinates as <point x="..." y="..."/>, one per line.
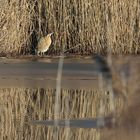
<point x="27" y="100"/>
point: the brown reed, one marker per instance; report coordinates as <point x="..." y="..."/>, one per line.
<point x="84" y="25"/>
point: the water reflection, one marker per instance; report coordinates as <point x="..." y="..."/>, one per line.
<point x="77" y="123"/>
<point x="20" y="106"/>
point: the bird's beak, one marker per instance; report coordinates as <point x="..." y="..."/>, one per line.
<point x="51" y="33"/>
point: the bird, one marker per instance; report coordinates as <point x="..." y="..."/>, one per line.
<point x="44" y="44"/>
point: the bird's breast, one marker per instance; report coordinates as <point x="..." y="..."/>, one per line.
<point x="48" y="41"/>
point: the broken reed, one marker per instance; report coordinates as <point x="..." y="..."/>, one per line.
<point x="90" y="26"/>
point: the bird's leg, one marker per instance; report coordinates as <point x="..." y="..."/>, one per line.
<point x="41" y="54"/>
<point x="35" y="52"/>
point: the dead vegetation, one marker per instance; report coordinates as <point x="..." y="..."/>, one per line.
<point x="88" y="26"/>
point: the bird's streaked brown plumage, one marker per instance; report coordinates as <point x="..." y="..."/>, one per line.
<point x="44" y="44"/>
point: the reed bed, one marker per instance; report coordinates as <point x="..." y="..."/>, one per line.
<point x="21" y="105"/>
<point x="83" y="26"/>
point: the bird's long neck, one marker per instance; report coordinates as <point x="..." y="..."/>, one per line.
<point x="48" y="37"/>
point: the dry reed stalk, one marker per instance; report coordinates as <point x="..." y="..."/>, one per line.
<point x="16" y="26"/>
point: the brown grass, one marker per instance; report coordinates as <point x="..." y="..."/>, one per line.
<point x="89" y="26"/>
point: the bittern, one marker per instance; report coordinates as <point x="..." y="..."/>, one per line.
<point x="44" y="44"/>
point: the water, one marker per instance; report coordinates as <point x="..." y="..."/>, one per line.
<point x="28" y="100"/>
<point x="22" y="108"/>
